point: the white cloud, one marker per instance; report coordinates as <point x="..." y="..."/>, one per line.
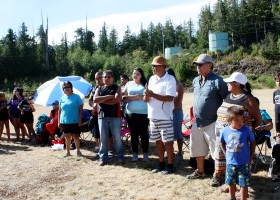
<point x="120" y="21"/>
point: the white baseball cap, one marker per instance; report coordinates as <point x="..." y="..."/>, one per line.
<point x="237" y="77"/>
<point x="203" y="58"/>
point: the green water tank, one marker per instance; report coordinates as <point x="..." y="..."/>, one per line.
<point x="218" y="41"/>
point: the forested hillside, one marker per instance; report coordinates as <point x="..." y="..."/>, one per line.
<point x="253" y="27"/>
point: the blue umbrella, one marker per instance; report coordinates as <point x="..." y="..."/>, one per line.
<point x="51" y="90"/>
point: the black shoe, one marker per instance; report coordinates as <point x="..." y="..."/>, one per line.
<point x="102" y="163"/>
<point x="168" y="171"/>
<point x="158" y="169"/>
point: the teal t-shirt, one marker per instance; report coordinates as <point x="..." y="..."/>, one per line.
<point x="70" y="107"/>
<point x="137" y="106"/>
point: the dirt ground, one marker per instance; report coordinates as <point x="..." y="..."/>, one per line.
<point x="38" y="172"/>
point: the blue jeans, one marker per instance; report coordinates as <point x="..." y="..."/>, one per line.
<point x="114" y="125"/>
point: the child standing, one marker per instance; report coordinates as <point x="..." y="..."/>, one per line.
<point x="27" y="108"/>
<point x="238" y="144"/>
<point x="276" y="101"/>
<point x="4" y="116"/>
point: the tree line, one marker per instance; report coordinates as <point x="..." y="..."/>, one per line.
<point x="253" y="27"/>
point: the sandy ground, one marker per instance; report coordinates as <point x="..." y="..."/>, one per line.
<point x="38" y="172"/>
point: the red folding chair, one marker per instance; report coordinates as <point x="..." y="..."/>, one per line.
<point x="125" y="134"/>
<point x="187" y="125"/>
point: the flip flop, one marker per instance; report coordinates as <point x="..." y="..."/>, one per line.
<point x="224" y="190"/>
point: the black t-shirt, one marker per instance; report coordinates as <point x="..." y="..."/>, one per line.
<point x="105" y="110"/>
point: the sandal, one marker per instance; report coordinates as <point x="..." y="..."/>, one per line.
<point x="224" y="190"/>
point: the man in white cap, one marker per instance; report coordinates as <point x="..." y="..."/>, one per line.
<point x="159" y="96"/>
<point x="209" y="91"/>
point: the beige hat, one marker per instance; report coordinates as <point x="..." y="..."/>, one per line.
<point x="159" y="60"/>
<point x="203" y="58"/>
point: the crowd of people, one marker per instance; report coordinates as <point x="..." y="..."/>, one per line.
<point x="226" y="117"/>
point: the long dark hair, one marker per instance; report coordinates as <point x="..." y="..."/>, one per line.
<point x="246" y="87"/>
<point x="143" y="80"/>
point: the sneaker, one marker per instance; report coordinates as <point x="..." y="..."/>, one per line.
<point x="196" y="175"/>
<point x="110" y="154"/>
<point x="102" y="163"/>
<point x="179" y="157"/>
<point x="168" y="171"/>
<point x="215" y="182"/>
<point x="66" y="155"/>
<point x="79" y="154"/>
<point x="158" y="169"/>
<point x="145" y="157"/>
<point x="134" y="157"/>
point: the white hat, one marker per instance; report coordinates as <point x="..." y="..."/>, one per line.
<point x="237" y="77"/>
<point x="203" y="58"/>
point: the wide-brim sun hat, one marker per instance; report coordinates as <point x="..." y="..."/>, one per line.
<point x="237" y="77"/>
<point x="159" y="60"/>
<point x="203" y="58"/>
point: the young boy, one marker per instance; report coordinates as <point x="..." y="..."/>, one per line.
<point x="238" y="144"/>
<point x="276" y="101"/>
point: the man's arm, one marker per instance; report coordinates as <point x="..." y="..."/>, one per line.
<point x="115" y="99"/>
<point x="101" y="99"/>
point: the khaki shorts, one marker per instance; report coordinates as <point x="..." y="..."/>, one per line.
<point x="202" y="139"/>
<point x="161" y="130"/>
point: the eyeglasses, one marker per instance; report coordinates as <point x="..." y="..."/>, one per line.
<point x="66" y="87"/>
<point x="156" y="65"/>
<point x="107" y="77"/>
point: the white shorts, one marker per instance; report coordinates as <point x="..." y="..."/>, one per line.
<point x="161" y="130"/>
<point x="202" y="139"/>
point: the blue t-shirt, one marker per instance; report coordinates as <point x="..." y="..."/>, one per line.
<point x="137" y="106"/>
<point x="237" y="144"/>
<point x="70" y="108"/>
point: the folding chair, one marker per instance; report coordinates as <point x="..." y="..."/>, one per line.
<point x="86" y="135"/>
<point x="262" y="138"/>
<point x="125" y="134"/>
<point x="187" y="125"/>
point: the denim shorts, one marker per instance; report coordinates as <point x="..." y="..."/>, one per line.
<point x="238" y="174"/>
<point x="177" y="124"/>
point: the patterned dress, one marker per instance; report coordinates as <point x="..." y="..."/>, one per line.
<point x="230" y="100"/>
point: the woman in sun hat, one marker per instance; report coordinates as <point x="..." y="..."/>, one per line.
<point x="240" y="94"/>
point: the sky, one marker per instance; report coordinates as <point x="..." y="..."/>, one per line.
<point x="69" y="15"/>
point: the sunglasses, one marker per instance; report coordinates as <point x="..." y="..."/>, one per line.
<point x="107" y="76"/>
<point x="66" y="87"/>
<point x="156" y="65"/>
<point x="200" y="65"/>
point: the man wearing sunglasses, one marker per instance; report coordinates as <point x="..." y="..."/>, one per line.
<point x="209" y="91"/>
<point x="108" y="98"/>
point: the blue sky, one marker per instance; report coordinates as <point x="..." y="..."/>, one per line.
<point x="68" y="15"/>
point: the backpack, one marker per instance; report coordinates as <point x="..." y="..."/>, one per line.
<point x="40" y="126"/>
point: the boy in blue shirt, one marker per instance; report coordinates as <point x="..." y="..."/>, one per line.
<point x="238" y="144"/>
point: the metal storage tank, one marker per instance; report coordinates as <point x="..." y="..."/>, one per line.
<point x="172" y="51"/>
<point x="218" y="41"/>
